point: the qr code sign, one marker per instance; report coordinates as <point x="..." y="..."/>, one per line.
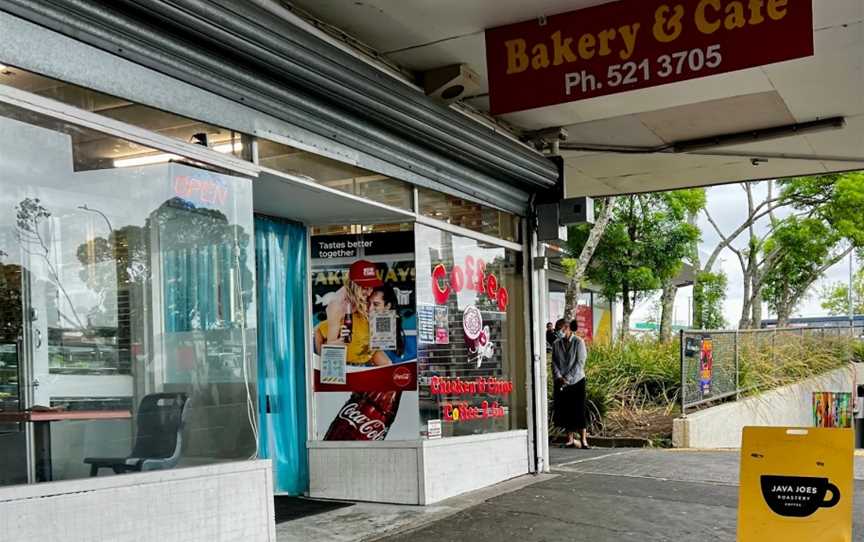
<point x="383" y="325"/>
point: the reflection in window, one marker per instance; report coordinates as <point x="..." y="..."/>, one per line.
<point x="126" y="287"/>
<point x="168" y="124"/>
<point x="469" y="215"/>
<point x="338" y="175"/>
<point x="357" y="229"/>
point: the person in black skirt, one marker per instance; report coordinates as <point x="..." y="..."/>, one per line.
<point x="568" y="368"/>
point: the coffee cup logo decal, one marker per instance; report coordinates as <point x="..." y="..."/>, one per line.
<point x="798" y="496"/>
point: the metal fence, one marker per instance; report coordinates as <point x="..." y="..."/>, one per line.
<point x="711" y="361"/>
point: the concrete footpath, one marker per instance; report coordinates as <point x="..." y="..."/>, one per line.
<point x="593" y="495"/>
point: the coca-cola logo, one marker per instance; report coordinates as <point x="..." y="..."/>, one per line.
<point x="369" y="428"/>
<point x="402" y="377"/>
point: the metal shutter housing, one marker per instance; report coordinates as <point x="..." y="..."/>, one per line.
<point x="240" y="50"/>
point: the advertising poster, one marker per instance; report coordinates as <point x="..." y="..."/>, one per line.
<point x="796" y="484"/>
<point x="364" y="336"/>
<point x="832" y="410"/>
<point x="585" y="320"/>
<point x="706" y="365"/>
<point x="333" y="364"/>
<point x="433" y="324"/>
<point x="426" y="324"/>
<point x="442" y="331"/>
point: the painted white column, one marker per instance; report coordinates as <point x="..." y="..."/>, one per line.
<point x="539" y="310"/>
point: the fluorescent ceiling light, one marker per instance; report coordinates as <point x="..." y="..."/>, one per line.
<point x="228" y="147"/>
<point x="161" y="158"/>
<point x="145" y="160"/>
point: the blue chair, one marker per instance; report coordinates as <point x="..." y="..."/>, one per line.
<point x="158" y="441"/>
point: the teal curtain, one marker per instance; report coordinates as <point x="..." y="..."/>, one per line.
<point x="197" y="289"/>
<point x="280" y="254"/>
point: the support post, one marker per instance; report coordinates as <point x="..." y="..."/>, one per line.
<point x="683" y="376"/>
<point x="737" y="367"/>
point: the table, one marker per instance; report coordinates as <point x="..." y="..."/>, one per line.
<point x="42" y="419"/>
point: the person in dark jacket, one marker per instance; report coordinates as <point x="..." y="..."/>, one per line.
<point x="551" y="336"/>
<point x="568" y="368"/>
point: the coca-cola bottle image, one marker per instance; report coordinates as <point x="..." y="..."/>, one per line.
<point x="365" y="416"/>
<point x="347" y="330"/>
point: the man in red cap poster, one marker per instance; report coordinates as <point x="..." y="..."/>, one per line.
<point x="347" y="313"/>
<point x="365" y="336"/>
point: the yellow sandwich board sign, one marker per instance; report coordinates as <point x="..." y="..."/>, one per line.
<point x="796" y="484"/>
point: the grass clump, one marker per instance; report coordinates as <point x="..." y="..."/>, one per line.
<point x="634" y="386"/>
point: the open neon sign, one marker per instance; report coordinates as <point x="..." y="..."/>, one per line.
<point x="206" y="191"/>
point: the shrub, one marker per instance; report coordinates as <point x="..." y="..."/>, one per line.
<point x="640" y="378"/>
<point x="637" y="374"/>
<point x="772" y="359"/>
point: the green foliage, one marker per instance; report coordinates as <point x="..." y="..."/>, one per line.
<point x="771" y="360"/>
<point x="804" y="247"/>
<point x="636" y="373"/>
<point x="836" y="199"/>
<point x="632" y="375"/>
<point x="569" y="265"/>
<point x="835" y="298"/>
<point x="11" y="308"/>
<point x="644" y="243"/>
<point x="640" y="379"/>
<point x="709" y="291"/>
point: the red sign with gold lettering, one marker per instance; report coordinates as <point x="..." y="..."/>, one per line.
<point x="633" y="44"/>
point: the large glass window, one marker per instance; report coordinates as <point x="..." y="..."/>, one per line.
<point x="469" y="215"/>
<point x="334" y="174"/>
<point x="357" y="229"/>
<point x="127" y="312"/>
<point x="168" y="124"/>
<point x="471" y="334"/>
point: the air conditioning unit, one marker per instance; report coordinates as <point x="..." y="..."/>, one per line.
<point x="451" y="83"/>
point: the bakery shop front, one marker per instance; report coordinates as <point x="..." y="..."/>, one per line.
<point x="418" y="340"/>
<point x="299" y="294"/>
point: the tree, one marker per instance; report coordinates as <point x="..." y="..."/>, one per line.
<point x="709" y="291"/>
<point x="749" y="257"/>
<point x="691" y="203"/>
<point x="35" y="237"/>
<point x="826" y="225"/>
<point x="805" y="249"/>
<point x="643" y="246"/>
<point x="122" y="262"/>
<point x="830" y="204"/>
<point x="836" y="199"/>
<point x="588" y="237"/>
<point x="835" y="298"/>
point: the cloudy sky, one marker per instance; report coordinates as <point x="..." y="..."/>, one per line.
<point x="728" y="206"/>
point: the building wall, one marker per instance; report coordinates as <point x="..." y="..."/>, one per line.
<point x="228" y="501"/>
<point x="415" y="472"/>
<point x="789" y="406"/>
<point x="457" y="465"/>
<point x="365" y="471"/>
